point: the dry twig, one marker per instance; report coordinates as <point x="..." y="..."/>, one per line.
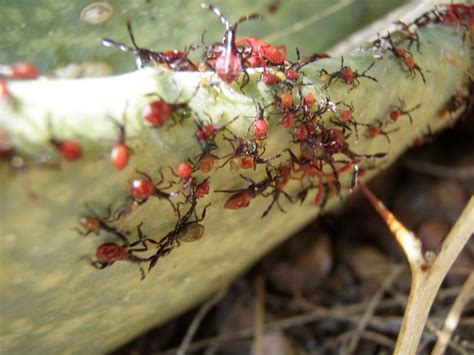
<point x="193" y="327"/>
<point x="259" y="314"/>
<point x="369" y="312"/>
<point x="427" y="275"/>
<point x="454" y="315"/>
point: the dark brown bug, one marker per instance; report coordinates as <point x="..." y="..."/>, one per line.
<point x="173" y="59"/>
<point x="185" y="229"/>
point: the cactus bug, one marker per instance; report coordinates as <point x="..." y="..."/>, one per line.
<point x="202" y="189"/>
<point x="159" y="111"/>
<point x="376" y="130"/>
<point x="261" y="51"/>
<point x="108" y="253"/>
<point x="69" y="150"/>
<point x="185" y="230"/>
<point x="120" y="152"/>
<point x="347" y="75"/>
<point x="228" y="60"/>
<point x="20" y="71"/>
<point x="269" y="78"/>
<point x="280" y="180"/>
<point x="400" y="110"/>
<point x="287" y="120"/>
<point x="143" y="188"/>
<point x="184" y="170"/>
<point x="300" y="133"/>
<point x="238" y="200"/>
<point x="173" y="59"/>
<point x="406" y="58"/>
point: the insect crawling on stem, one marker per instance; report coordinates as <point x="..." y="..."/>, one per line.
<point x="228" y="60"/>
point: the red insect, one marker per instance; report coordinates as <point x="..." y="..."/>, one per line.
<point x="227" y="59"/>
<point x="202" y="189"/>
<point x="184" y="170"/>
<point x="159" y="111"/>
<point x="108" y="253"/>
<point x="238" y="200"/>
<point x="300" y="133"/>
<point x="208" y="131"/>
<point x="346" y="119"/>
<point x="120" y="152"/>
<point x="284" y="101"/>
<point x="262" y="52"/>
<point x="406" y="59"/>
<point x="400" y="110"/>
<point x="347" y="75"/>
<point x="374" y="131"/>
<point x="173" y="59"/>
<point x="241" y="148"/>
<point x="269" y="78"/>
<point x="458" y="14"/>
<point x="143" y="188"/>
<point x="287" y="120"/>
<point x="20" y="71"/>
<point x="68" y="149"/>
<point x="206" y="163"/>
<point x="308" y="101"/>
<point x="260" y="125"/>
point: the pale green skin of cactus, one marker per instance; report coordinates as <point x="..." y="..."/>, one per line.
<point x="53" y="300"/>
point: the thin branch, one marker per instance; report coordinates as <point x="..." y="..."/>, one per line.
<point x="454" y="315"/>
<point x="193" y="327"/>
<point x="369" y="312"/>
<point x="426" y="277"/>
<point x="410" y="244"/>
<point x="259" y="314"/>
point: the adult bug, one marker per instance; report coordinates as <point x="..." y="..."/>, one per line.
<point x="185" y="229"/>
<point x="225" y="57"/>
<point x="173" y="59"/>
<point x="347" y="75"/>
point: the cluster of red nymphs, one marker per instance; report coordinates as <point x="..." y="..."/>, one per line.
<point x="317" y="154"/>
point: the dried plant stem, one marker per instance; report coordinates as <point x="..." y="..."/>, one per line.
<point x="369" y="312"/>
<point x="205" y="308"/>
<point x="427" y="276"/>
<point x="259" y="325"/>
<point x="452" y="320"/>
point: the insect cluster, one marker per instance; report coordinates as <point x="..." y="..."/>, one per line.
<point x="318" y="131"/>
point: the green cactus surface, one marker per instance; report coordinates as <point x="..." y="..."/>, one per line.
<point x="53" y="300"/>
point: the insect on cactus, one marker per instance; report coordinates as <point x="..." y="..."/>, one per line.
<point x="303" y="101"/>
